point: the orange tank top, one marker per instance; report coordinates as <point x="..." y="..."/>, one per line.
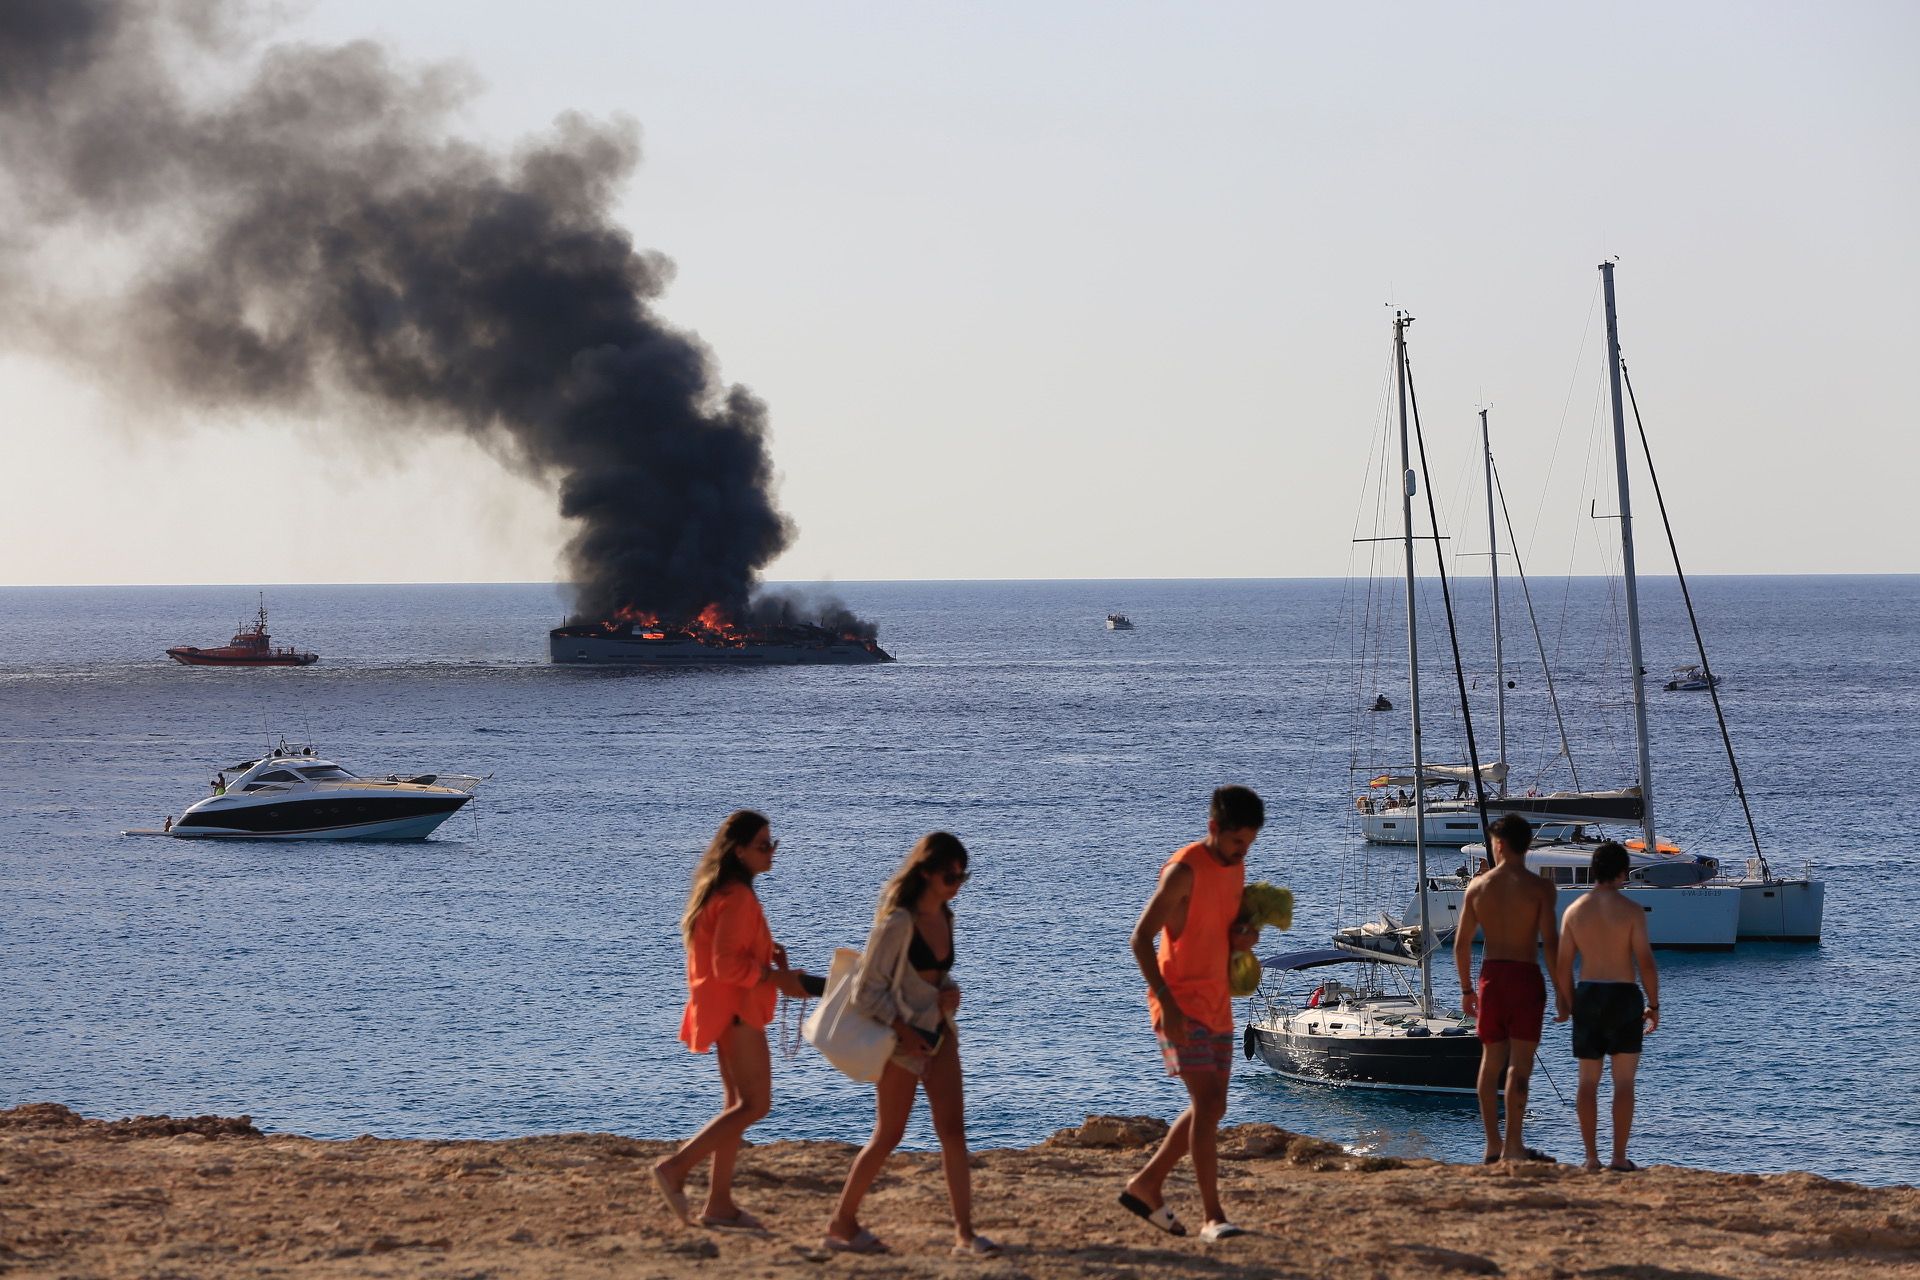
<point x="1194" y="964"/>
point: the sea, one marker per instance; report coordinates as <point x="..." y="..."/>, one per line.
<point x="521" y="971"/>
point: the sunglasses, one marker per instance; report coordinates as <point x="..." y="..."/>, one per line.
<point x="954" y="877"/>
<point x="771" y="846"/>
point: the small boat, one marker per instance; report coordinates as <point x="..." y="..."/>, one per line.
<point x="1691" y="678"/>
<point x="291" y="794"/>
<point x="1381" y="703"/>
<point x="251" y="646"/>
<point x="1119" y="622"/>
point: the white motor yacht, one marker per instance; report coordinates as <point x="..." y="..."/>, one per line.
<point x="1687" y="907"/>
<point x="292" y="794"/>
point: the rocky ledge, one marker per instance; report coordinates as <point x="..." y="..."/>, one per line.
<point x="212" y="1197"/>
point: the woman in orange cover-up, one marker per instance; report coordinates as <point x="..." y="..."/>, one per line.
<point x="735" y="971"/>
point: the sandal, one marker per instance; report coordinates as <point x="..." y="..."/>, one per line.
<point x="1216" y="1231"/>
<point x="740" y="1221"/>
<point x="977" y="1247"/>
<point x="864" y="1242"/>
<point x="1161" y="1218"/>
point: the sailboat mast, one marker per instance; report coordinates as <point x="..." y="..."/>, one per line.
<point x="1626" y="562"/>
<point x="1493" y="566"/>
<point x="1407" y="486"/>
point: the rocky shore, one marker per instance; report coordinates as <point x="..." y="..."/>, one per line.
<point x="212" y="1197"/>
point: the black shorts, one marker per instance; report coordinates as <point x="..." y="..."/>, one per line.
<point x="1607" y="1018"/>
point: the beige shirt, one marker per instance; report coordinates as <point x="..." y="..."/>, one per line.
<point x="915" y="1001"/>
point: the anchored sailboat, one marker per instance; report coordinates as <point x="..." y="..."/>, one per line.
<point x="1689" y="903"/>
<point x="1383" y="1031"/>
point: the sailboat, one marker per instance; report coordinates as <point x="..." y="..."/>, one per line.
<point x="1688" y="901"/>
<point x="1452" y="815"/>
<point x="1384" y="1030"/>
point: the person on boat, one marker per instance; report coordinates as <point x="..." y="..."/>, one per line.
<point x="735" y="971"/>
<point x="168" y="824"/>
<point x="219" y="784"/>
<point x="1607" y="933"/>
<point x="1515" y="909"/>
<point x="1193" y="915"/>
<point x="916" y="995"/>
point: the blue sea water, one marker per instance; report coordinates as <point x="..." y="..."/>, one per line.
<point x="521" y="971"/>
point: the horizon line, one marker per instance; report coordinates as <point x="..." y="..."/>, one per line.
<point x="838" y="582"/>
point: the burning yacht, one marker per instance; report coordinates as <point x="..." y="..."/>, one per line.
<point x="706" y="641"/>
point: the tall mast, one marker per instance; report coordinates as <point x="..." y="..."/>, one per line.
<point x="1626" y="561"/>
<point x="1493" y="565"/>
<point x="1407" y="487"/>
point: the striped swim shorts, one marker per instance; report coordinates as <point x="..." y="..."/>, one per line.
<point x="1203" y="1050"/>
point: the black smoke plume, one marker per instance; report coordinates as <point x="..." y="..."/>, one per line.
<point x="307" y="234"/>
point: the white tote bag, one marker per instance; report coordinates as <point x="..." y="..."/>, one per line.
<point x="846" y="1037"/>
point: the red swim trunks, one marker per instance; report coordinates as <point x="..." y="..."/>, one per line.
<point x="1513" y="1001"/>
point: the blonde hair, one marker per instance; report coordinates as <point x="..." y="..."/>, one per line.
<point x="720" y="865"/>
<point x="935" y="851"/>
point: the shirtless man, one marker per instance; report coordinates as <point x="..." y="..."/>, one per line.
<point x="1608" y="933"/>
<point x="1193" y="915"/>
<point x="1515" y="909"/>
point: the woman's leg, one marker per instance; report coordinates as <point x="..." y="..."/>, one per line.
<point x="746" y="1075"/>
<point x="893" y="1100"/>
<point x="747" y="1069"/>
<point x="946" y="1098"/>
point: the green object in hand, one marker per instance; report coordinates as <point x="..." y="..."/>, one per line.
<point x="1243" y="973"/>
<point x="1263" y="904"/>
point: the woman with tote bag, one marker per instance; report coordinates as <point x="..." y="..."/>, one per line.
<point x="904" y="982"/>
<point x="735" y="971"/>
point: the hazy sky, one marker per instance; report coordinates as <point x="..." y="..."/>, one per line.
<point x="1100" y="290"/>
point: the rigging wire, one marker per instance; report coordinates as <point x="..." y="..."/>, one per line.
<point x="1446" y="596"/>
<point x="1699" y="641"/>
<point x="1526" y="592"/>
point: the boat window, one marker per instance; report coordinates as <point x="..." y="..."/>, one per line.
<point x="277" y="775"/>
<point x="326" y="773"/>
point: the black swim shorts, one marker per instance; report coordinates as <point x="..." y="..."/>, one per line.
<point x="1607" y="1018"/>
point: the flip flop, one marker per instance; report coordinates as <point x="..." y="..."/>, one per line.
<point x="1161" y="1218"/>
<point x="1628" y="1167"/>
<point x="740" y="1221"/>
<point x="865" y="1242"/>
<point x="675" y="1197"/>
<point x="1215" y="1231"/>
<point x="978" y="1247"/>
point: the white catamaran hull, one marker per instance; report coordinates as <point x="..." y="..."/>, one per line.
<point x="1780" y="910"/>
<point x="1696" y="918"/>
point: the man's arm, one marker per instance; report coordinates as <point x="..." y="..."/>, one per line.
<point x="1167" y="905"/>
<point x="1550" y="941"/>
<point x="1649" y="972"/>
<point x="1463" y="949"/>
<point x="1562" y="968"/>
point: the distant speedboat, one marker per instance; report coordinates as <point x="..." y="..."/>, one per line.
<point x="1119" y="622"/>
<point x="297" y="795"/>
<point x="250" y="647"/>
<point x="1691" y="678"/>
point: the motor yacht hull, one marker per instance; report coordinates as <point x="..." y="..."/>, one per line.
<point x="571" y="647"/>
<point x="410" y="817"/>
<point x="1310" y="1046"/>
<point x="1703" y="917"/>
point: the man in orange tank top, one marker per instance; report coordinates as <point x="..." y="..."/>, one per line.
<point x="1193" y="915"/>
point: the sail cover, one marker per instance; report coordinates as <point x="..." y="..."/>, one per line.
<point x="1434" y="774"/>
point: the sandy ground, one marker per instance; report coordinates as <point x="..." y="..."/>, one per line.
<point x="210" y="1197"/>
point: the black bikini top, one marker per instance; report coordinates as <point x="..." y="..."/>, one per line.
<point x="921" y="956"/>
